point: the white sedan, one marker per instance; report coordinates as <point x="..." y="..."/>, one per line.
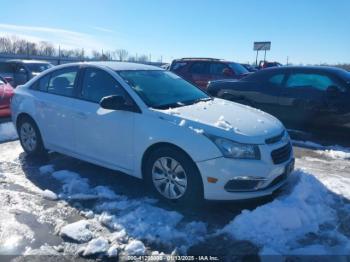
<point x="152" y="124"/>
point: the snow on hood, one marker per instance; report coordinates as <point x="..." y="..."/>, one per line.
<point x="226" y="119"/>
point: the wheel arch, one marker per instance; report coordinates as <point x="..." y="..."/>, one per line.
<point x="158" y="145"/>
<point x="22" y="116"/>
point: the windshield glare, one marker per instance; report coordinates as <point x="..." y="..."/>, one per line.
<point x="162" y="89"/>
<point x="238" y="69"/>
<point x="38" y="68"/>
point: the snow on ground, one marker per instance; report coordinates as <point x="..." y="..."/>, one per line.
<point x="335" y="151"/>
<point x="7" y="132"/>
<point x="130" y="221"/>
<point x="310" y="218"/>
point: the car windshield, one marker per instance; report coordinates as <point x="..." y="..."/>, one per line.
<point x="162" y="89"/>
<point x="38" y="67"/>
<point x="238" y="69"/>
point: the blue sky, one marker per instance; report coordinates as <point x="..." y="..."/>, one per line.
<point x="308" y="31"/>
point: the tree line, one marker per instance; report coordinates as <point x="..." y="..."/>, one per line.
<point x="18" y="46"/>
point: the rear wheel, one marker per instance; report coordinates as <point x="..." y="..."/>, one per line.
<point x="30" y="137"/>
<point x="174" y="177"/>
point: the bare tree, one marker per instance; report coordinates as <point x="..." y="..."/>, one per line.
<point x="132" y="59"/>
<point x="122" y="54"/>
<point x="143" y="58"/>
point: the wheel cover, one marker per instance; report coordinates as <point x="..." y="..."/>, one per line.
<point x="169" y="178"/>
<point x="28" y="136"/>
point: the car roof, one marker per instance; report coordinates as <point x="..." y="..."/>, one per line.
<point x="117" y="66"/>
<point x="28" y="61"/>
<point x="306" y="68"/>
<point x="204" y="59"/>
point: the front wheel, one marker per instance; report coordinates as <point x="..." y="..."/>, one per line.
<point x="174" y="177"/>
<point x="30" y="137"/>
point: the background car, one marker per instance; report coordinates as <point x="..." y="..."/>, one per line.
<point x="250" y="68"/>
<point x="299" y="96"/>
<point x="18" y="72"/>
<point x="200" y="71"/>
<point x="266" y="64"/>
<point x="6" y="93"/>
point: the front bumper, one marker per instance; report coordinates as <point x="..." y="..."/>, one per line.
<point x="271" y="176"/>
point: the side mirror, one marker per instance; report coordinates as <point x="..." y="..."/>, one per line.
<point x="116" y="102"/>
<point x="227" y="72"/>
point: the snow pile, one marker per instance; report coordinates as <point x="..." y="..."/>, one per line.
<point x="334" y="152"/>
<point x="128" y="221"/>
<point x="221" y="123"/>
<point x="48" y="194"/>
<point x="7" y="132"/>
<point x="281" y="226"/>
<point x="77" y="188"/>
<point x="135" y="248"/>
<point x="78" y="231"/>
<point x="96" y="246"/>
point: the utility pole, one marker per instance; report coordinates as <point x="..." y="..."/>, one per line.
<point x="287" y="60"/>
<point x="59" y="54"/>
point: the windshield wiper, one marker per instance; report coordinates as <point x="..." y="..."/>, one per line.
<point x="167" y="106"/>
<point x="195" y="101"/>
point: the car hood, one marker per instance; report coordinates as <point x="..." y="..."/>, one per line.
<point x="226" y="119"/>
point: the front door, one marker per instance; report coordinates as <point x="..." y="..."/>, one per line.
<point x="103" y="136"/>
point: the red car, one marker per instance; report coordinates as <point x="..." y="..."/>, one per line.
<point x="200" y="71"/>
<point x="6" y="93"/>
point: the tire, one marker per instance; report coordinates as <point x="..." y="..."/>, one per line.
<point x="166" y="171"/>
<point x="30" y="137"/>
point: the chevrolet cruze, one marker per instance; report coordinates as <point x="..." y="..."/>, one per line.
<point x="152" y="124"/>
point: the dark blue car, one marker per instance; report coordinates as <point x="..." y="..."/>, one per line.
<point x="298" y="96"/>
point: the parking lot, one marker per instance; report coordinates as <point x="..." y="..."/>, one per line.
<point x="58" y="205"/>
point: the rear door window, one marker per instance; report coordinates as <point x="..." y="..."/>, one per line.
<point x="276" y="79"/>
<point x="309" y="80"/>
<point x="199" y="68"/>
<point x="62" y="81"/>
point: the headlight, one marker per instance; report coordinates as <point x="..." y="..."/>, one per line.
<point x="236" y="150"/>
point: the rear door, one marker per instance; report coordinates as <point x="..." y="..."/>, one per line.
<point x="54" y="104"/>
<point x="303" y="96"/>
<point x="102" y="136"/>
<point x="199" y="74"/>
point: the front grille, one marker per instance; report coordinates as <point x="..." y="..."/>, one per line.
<point x="275" y="139"/>
<point x="282" y="154"/>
